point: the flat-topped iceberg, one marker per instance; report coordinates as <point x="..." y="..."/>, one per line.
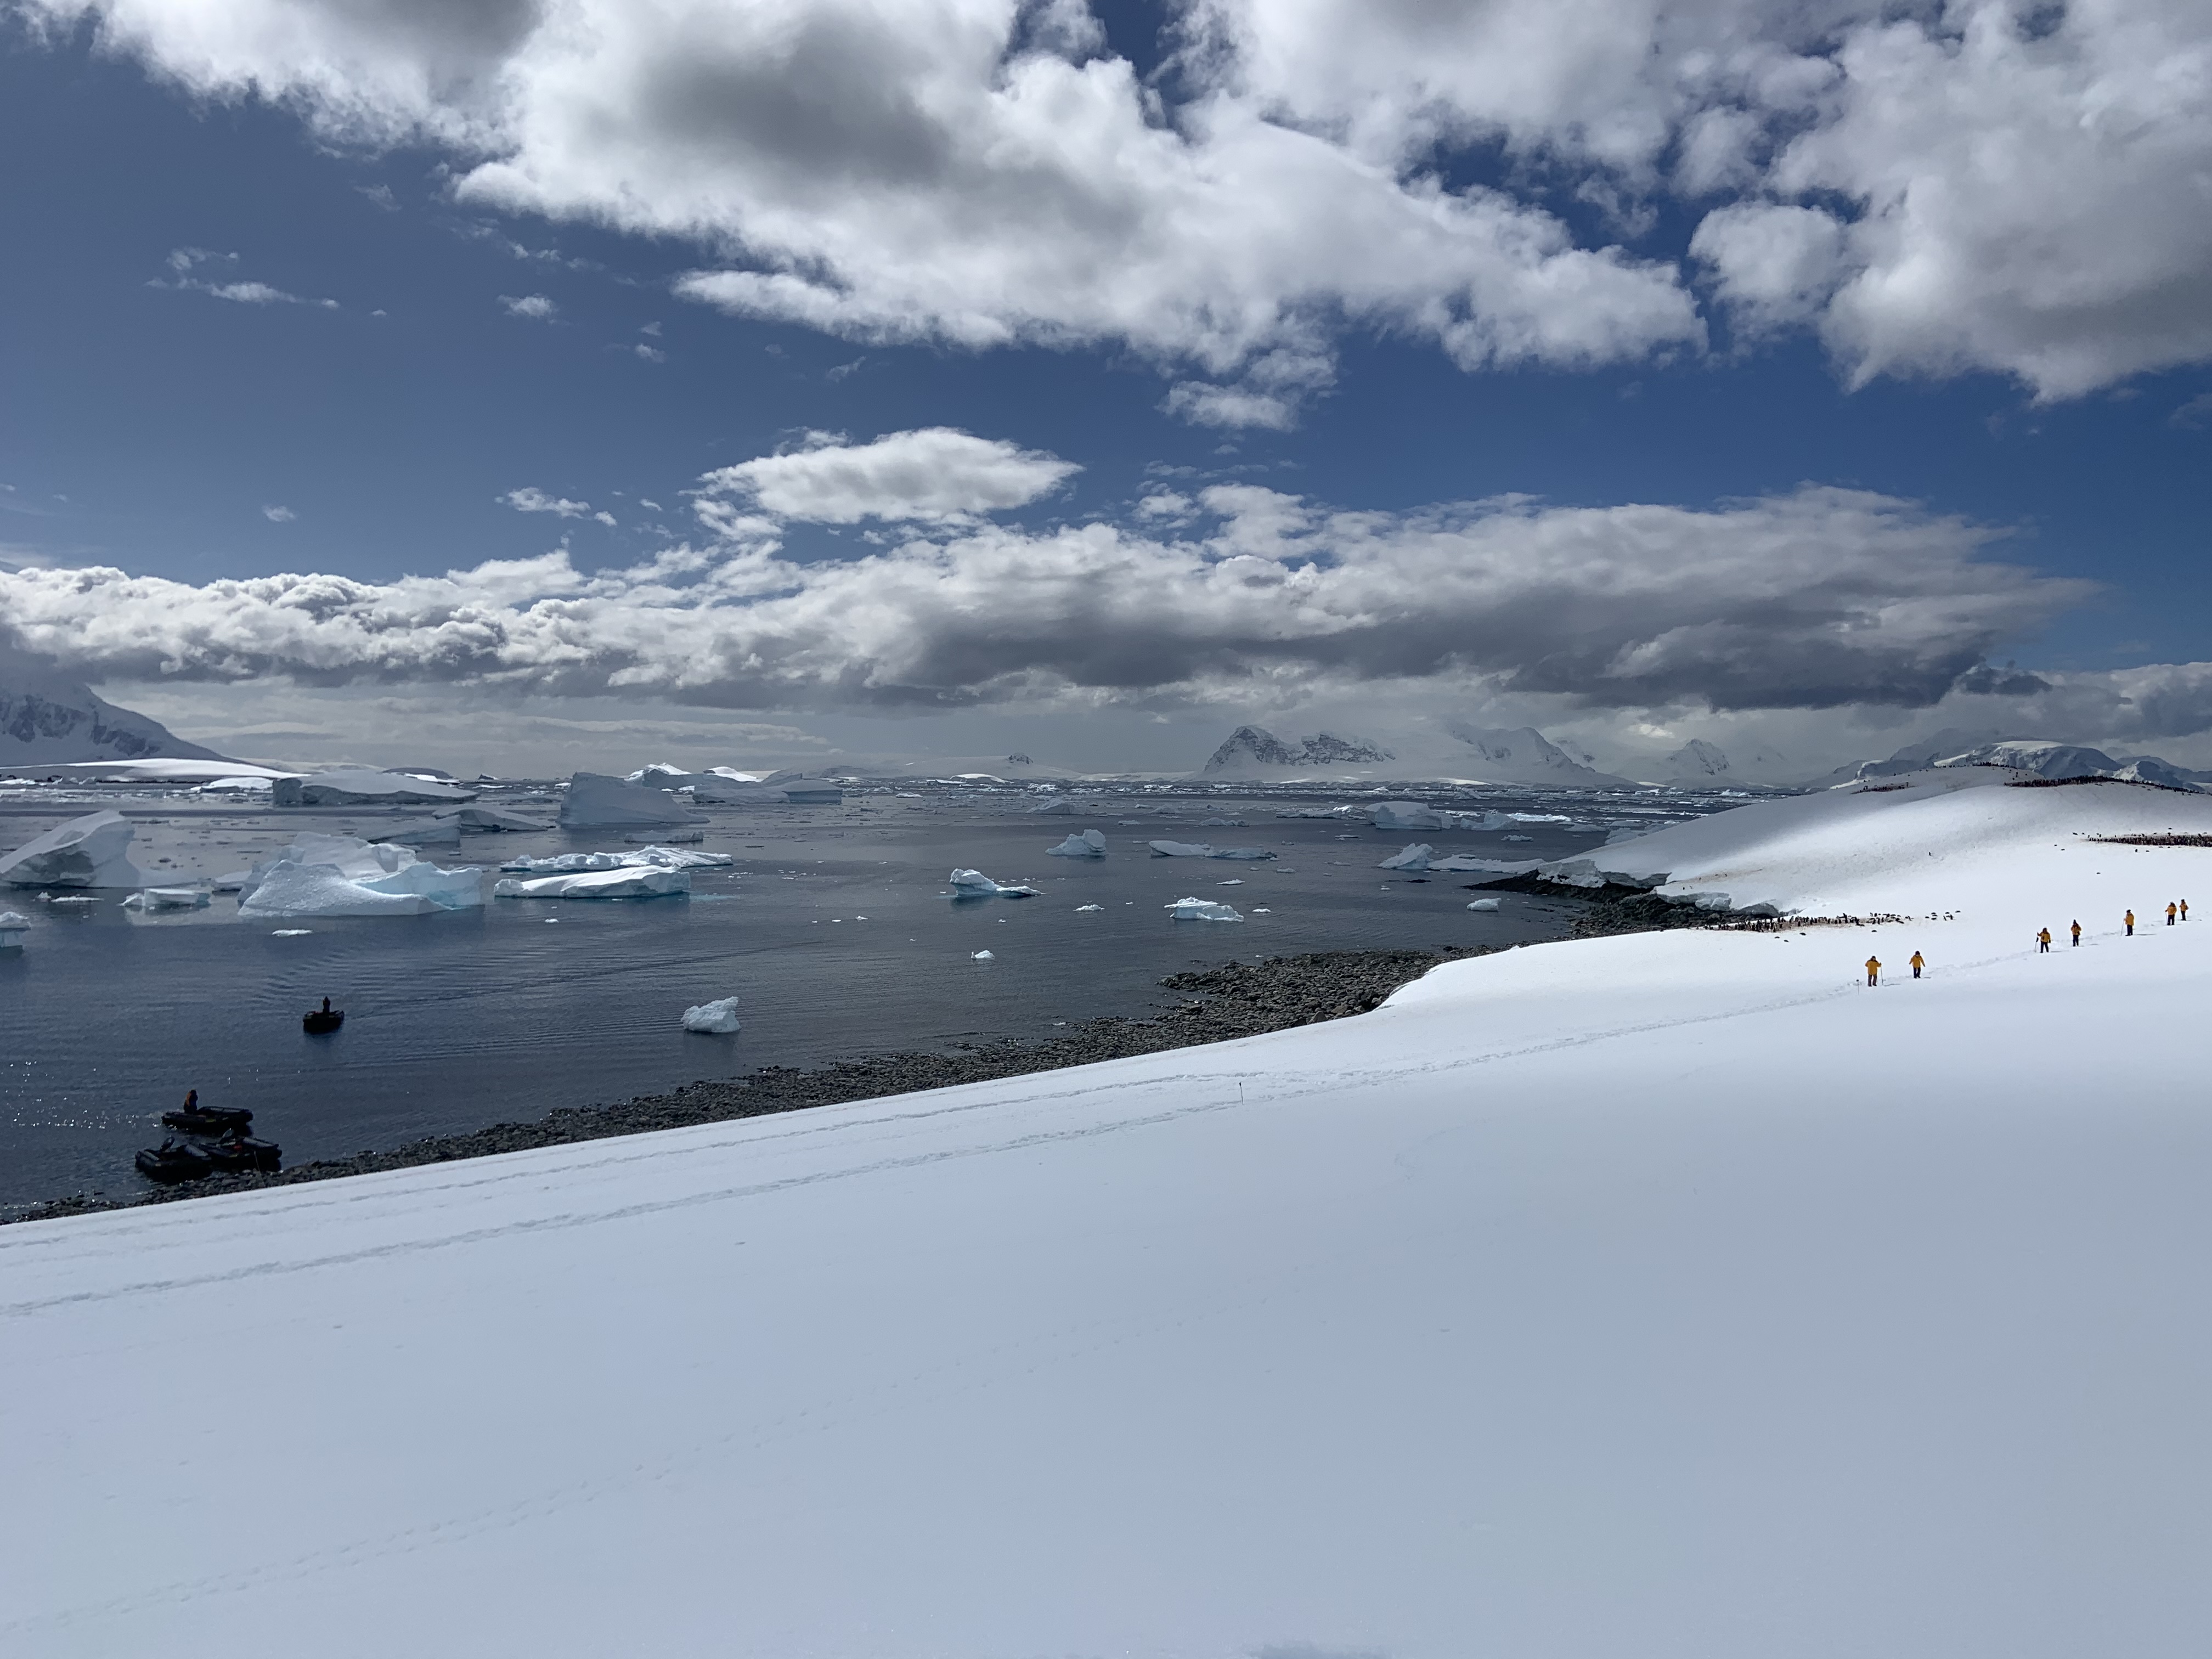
<point x="167" y="898"/>
<point x="640" y="882"/>
<point x="973" y="884"/>
<point x="1199" y="909"/>
<point x="1199" y="849"/>
<point x="364" y="787"/>
<point x="93" y="851"/>
<point x="14" y="926"/>
<point x="716" y="1018"/>
<point x="596" y="801"/>
<point x="1418" y="815"/>
<point x="1089" y="844"/>
<point x="646" y="857"/>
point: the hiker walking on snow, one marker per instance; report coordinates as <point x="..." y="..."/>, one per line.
<point x="2043" y="941"/>
<point x="1873" y="970"/>
<point x="2131" y="924"/>
<point x="2169" y="915"/>
<point x="1918" y="962"/>
<point x="2077" y="932"/>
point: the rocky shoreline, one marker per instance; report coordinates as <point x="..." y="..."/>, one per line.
<point x="1234" y="1000"/>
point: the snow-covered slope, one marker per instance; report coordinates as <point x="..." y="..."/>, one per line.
<point x="1662" y="1296"/>
<point x="45" y="715"/>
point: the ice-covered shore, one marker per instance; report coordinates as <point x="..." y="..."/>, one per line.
<point x="1659" y="1294"/>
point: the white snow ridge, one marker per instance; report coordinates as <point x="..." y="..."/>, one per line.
<point x="1668" y="1295"/>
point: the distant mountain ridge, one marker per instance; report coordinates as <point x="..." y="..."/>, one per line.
<point x="46" y="717"/>
<point x="1520" y="755"/>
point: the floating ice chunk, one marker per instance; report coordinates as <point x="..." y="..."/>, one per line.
<point x="1239" y="853"/>
<point x="1414" y="859"/>
<point x="14" y="926"/>
<point x="290" y="932"/>
<point x="639" y="882"/>
<point x="167" y="898"/>
<point x="646" y="857"/>
<point x="1181" y="849"/>
<point x="1199" y="909"/>
<point x="236" y="786"/>
<point x="322" y="890"/>
<point x="496" y="818"/>
<point x="93" y="851"/>
<point x="449" y="889"/>
<point x="423" y="832"/>
<point x="973" y="884"/>
<point x="594" y="801"/>
<point x="982" y="956"/>
<point x="716" y="1018"/>
<point x="232" y="881"/>
<point x="1080" y="908"/>
<point x="364" y="787"/>
<point x="1482" y="905"/>
<point x="1540" y="818"/>
<point x="675" y="857"/>
<point x="1059" y="806"/>
<point x="1406" y="815"/>
<point x="1090" y="844"/>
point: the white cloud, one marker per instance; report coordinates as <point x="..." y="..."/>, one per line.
<point x="184" y="261"/>
<point x="649" y="354"/>
<point x="278" y="514"/>
<point x="935" y="475"/>
<point x="534" y="307"/>
<point x="530" y="499"/>
<point x="1817" y="599"/>
<point x="1934" y="187"/>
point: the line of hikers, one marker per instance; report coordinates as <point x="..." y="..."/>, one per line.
<point x="2177" y="911"/>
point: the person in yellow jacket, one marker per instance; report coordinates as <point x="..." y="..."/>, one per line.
<point x="2131" y="920"/>
<point x="2077" y="932"/>
<point x="1918" y="962"/>
<point x="2042" y="941"/>
<point x="2169" y="914"/>
<point x="1873" y="970"/>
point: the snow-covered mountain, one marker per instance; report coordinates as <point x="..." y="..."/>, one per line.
<point x="1254" y="751"/>
<point x="2042" y="756"/>
<point x="1672" y="1282"/>
<point x="1522" y="755"/>
<point x="45" y="716"/>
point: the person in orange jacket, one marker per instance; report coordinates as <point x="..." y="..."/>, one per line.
<point x="2077" y="932"/>
<point x="1918" y="962"/>
<point x="2042" y="941"/>
<point x="2169" y="912"/>
<point x="2131" y="924"/>
<point x="1873" y="970"/>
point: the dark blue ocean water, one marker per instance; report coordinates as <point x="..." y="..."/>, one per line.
<point x="830" y="928"/>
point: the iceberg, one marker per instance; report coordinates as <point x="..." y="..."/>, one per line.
<point x="322" y="890"/>
<point x="1482" y="905"/>
<point x="973" y="884"/>
<point x="1058" y="804"/>
<point x="642" y="882"/>
<point x="1414" y="860"/>
<point x="646" y="857"/>
<point x="1090" y="844"/>
<point x="167" y="898"/>
<point x="1406" y="815"/>
<point x="496" y="818"/>
<point x="982" y="956"/>
<point x="93" y="851"/>
<point x="596" y="801"/>
<point x="1199" y="909"/>
<point x="14" y="925"/>
<point x="423" y="832"/>
<point x="363" y="786"/>
<point x="1199" y="849"/>
<point x="716" y="1018"/>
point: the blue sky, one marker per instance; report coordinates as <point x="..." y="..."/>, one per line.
<point x="151" y="424"/>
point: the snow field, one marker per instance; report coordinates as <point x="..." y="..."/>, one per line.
<point x="1657" y="1296"/>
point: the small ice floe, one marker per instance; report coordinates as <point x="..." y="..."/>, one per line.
<point x="14" y="925"/>
<point x="167" y="898"/>
<point x="231" y="881"/>
<point x="1262" y="911"/>
<point x="1413" y="859"/>
<point x="290" y="932"/>
<point x="1199" y="909"/>
<point x="1090" y="844"/>
<point x="1059" y="806"/>
<point x="1482" y="905"/>
<point x="646" y="857"/>
<point x="1080" y="908"/>
<point x="973" y="884"/>
<point x="635" y="882"/>
<point x="1233" y="881"/>
<point x="982" y="956"/>
<point x="716" y="1018"/>
<point x="1517" y="837"/>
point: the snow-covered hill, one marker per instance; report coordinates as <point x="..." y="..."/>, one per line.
<point x="1461" y="751"/>
<point x="45" y="716"/>
<point x="1670" y="1295"/>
